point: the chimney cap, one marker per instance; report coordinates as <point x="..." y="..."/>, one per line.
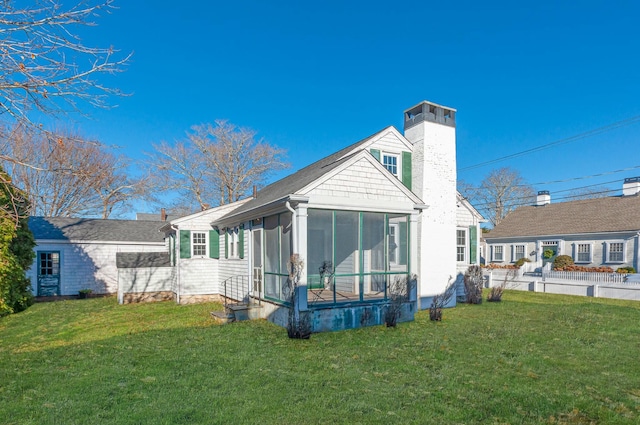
<point x="543" y="192"/>
<point x="632" y="180"/>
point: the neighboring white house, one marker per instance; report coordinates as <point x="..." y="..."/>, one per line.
<point x="595" y="232"/>
<point x="80" y="253"/>
<point x="379" y="210"/>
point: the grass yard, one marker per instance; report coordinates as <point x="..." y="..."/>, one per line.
<point x="534" y="358"/>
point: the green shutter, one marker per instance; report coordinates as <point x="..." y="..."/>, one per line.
<point x="376" y="154"/>
<point x="406" y="169"/>
<point x="185" y="244"/>
<point x="214" y="243"/>
<point x="226" y="243"/>
<point x="473" y="244"/>
<point x="403" y="239"/>
<point x="241" y="241"/>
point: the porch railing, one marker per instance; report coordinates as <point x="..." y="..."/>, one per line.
<point x="337" y="289"/>
<point x="236" y="290"/>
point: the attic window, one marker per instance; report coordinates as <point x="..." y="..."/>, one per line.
<point x="390" y="162"/>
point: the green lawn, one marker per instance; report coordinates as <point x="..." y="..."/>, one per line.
<point x="534" y="358"/>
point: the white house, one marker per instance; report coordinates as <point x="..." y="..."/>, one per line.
<point x="594" y="232"/>
<point x="379" y="210"/>
<point x="80" y="253"/>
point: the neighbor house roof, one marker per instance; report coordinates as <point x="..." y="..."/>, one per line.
<point x="91" y="229"/>
<point x="610" y="214"/>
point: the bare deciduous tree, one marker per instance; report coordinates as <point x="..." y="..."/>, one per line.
<point x="215" y="164"/>
<point x="501" y="191"/>
<point x="589" y="193"/>
<point x="65" y="175"/>
<point x="46" y="68"/>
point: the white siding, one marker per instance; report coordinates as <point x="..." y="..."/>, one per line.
<point x="360" y="185"/>
<point x="88" y="264"/>
<point x="198" y="276"/>
<point x="390" y="143"/>
<point x="148" y="279"/>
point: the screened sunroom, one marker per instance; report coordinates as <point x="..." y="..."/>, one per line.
<point x="351" y="256"/>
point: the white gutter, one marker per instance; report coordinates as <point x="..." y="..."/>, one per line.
<point x="177" y="256"/>
<point x="294" y="230"/>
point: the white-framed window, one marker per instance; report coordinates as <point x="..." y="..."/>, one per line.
<point x="497" y="253"/>
<point x="583" y="253"/>
<point x="198" y="244"/>
<point x="615" y="252"/>
<point x="519" y="251"/>
<point x="461" y="245"/>
<point x="390" y="162"/>
<point x="233" y="242"/>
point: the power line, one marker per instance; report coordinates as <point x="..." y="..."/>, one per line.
<point x="606" y="173"/>
<point x="586" y="134"/>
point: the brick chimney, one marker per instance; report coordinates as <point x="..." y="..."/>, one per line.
<point x="163" y="214"/>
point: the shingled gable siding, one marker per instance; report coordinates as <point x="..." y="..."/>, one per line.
<point x="361" y="181"/>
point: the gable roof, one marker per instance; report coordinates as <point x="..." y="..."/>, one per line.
<point x="307" y="175"/>
<point x="610" y="214"/>
<point x="92" y="229"/>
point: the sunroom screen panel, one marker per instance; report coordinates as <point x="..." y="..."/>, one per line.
<point x="271" y="256"/>
<point x="319" y="245"/>
<point x="346" y="251"/>
<point x="373" y="251"/>
<point x="285" y="241"/>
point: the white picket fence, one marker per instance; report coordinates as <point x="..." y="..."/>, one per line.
<point x="602" y="285"/>
<point x="613" y="278"/>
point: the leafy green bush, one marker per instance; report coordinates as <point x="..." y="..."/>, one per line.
<point x="16" y="249"/>
<point x="562" y="261"/>
<point x="521" y="262"/>
<point x="626" y="270"/>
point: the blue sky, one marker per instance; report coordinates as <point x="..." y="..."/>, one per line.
<point x="313" y="77"/>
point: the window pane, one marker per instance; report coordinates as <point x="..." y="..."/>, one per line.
<point x="497" y="253"/>
<point x="584" y="253"/>
<point x="616" y="252"/>
<point x="390" y="162"/>
<point x="199" y="243"/>
<point x="461" y="239"/>
<point x="519" y="252"/>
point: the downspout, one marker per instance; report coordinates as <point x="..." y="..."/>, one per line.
<point x="177" y="258"/>
<point x="294" y="232"/>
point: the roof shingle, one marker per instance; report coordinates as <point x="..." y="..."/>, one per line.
<point x="610" y="214"/>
